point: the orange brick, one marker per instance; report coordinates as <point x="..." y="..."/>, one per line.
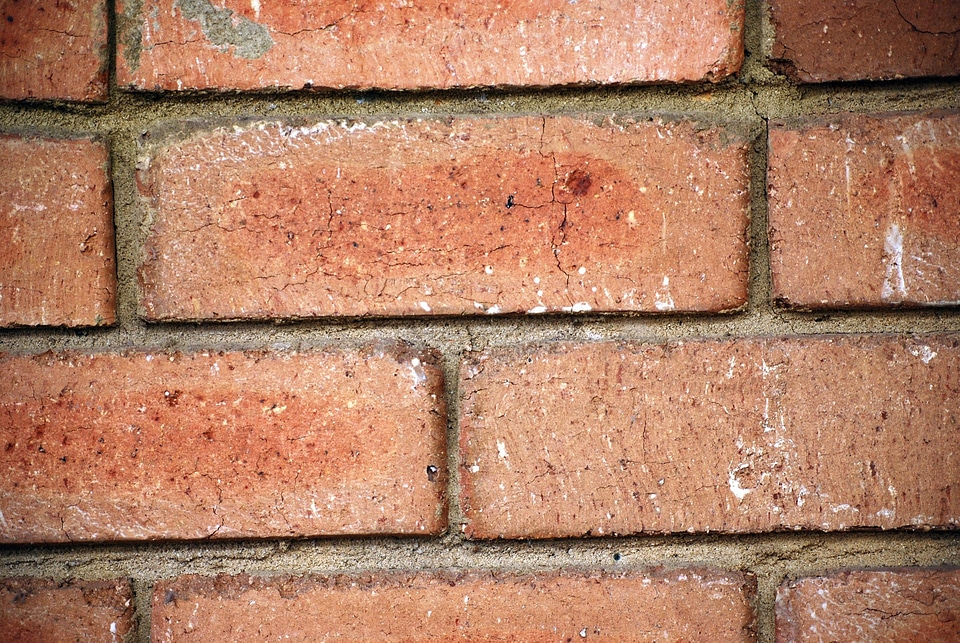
<point x="54" y="49"/>
<point x="749" y="435"/>
<point x="907" y="604"/>
<point x="236" y="44"/>
<point x="35" y="610"/>
<point x="57" y="258"/>
<point x="457" y="216"/>
<point x="685" y="604"/>
<point x="221" y="445"/>
<point x="865" y="211"/>
<point x="821" y="40"/>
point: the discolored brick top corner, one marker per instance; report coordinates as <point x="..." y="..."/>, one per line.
<point x="823" y="40"/>
<point x="174" y="45"/>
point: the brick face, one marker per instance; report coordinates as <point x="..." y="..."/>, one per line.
<point x="865" y="210"/>
<point x="907" y="604"/>
<point x="197" y="44"/>
<point x="221" y="445"/>
<point x="54" y="49"/>
<point x="35" y="610"/>
<point x="821" y="40"/>
<point x="458" y="216"/>
<point x="686" y="604"/>
<point x="57" y="263"/>
<point x="732" y="436"/>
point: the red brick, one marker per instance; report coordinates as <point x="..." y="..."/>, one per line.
<point x="750" y="435"/>
<point x="877" y="605"/>
<point x="236" y="44"/>
<point x="822" y="40"/>
<point x="457" y="216"/>
<point x="57" y="258"/>
<point x="865" y="211"/>
<point x="679" y="605"/>
<point x="36" y="611"/>
<point x="54" y="49"/>
<point x="221" y="445"/>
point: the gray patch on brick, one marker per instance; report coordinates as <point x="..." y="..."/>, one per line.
<point x="249" y="39"/>
<point x="131" y="32"/>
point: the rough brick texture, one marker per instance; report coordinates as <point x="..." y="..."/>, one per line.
<point x="680" y="605"/>
<point x="234" y="44"/>
<point x="865" y="210"/>
<point x="748" y="435"/>
<point x="36" y="611"/>
<point x="57" y="258"/>
<point x="458" y="216"/>
<point x="220" y="445"/>
<point x="908" y="604"/>
<point x="54" y="49"/>
<point x="824" y="40"/>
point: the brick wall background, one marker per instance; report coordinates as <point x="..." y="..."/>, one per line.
<point x="548" y="321"/>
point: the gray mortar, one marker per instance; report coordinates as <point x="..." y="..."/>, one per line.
<point x="747" y="101"/>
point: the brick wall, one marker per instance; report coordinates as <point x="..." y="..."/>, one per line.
<point x="486" y="321"/>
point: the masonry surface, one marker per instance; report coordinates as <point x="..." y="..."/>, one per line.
<point x="479" y="321"/>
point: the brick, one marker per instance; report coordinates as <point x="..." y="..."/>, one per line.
<point x="730" y="436"/>
<point x="685" y="604"/>
<point x="457" y="216"/>
<point x="240" y="45"/>
<point x="160" y="445"/>
<point x="907" y="604"/>
<point x="41" y="610"/>
<point x="57" y="257"/>
<point x="54" y="50"/>
<point x="821" y="40"/>
<point x="864" y="211"/>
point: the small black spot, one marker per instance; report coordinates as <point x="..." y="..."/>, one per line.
<point x="510" y="201"/>
<point x="41" y="449"/>
<point x="9" y="18"/>
<point x="431" y="473"/>
<point x="356" y="245"/>
<point x="616" y="556"/>
<point x="884" y="415"/>
<point x="169" y="597"/>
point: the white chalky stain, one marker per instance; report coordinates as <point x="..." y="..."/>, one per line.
<point x="925" y="353"/>
<point x="663" y="300"/>
<point x="894" y="288"/>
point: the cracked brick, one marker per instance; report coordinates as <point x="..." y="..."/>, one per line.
<point x="154" y="445"/>
<point x="826" y="41"/>
<point x="57" y="257"/>
<point x="900" y="604"/>
<point x="570" y="440"/>
<point x="181" y="45"/>
<point x="54" y="50"/>
<point x="455" y="216"/>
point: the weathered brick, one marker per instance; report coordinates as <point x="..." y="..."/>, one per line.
<point x="57" y="258"/>
<point x="732" y="436"/>
<point x="822" y="40"/>
<point x="457" y="216"/>
<point x="907" y="604"/>
<point x="39" y="610"/>
<point x="221" y="445"/>
<point x="54" y="49"/>
<point x="241" y="45"/>
<point x="686" y="604"/>
<point x="865" y="210"/>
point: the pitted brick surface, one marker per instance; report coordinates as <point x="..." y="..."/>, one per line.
<point x="684" y="604"/>
<point x="221" y="445"/>
<point x="747" y="435"/>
